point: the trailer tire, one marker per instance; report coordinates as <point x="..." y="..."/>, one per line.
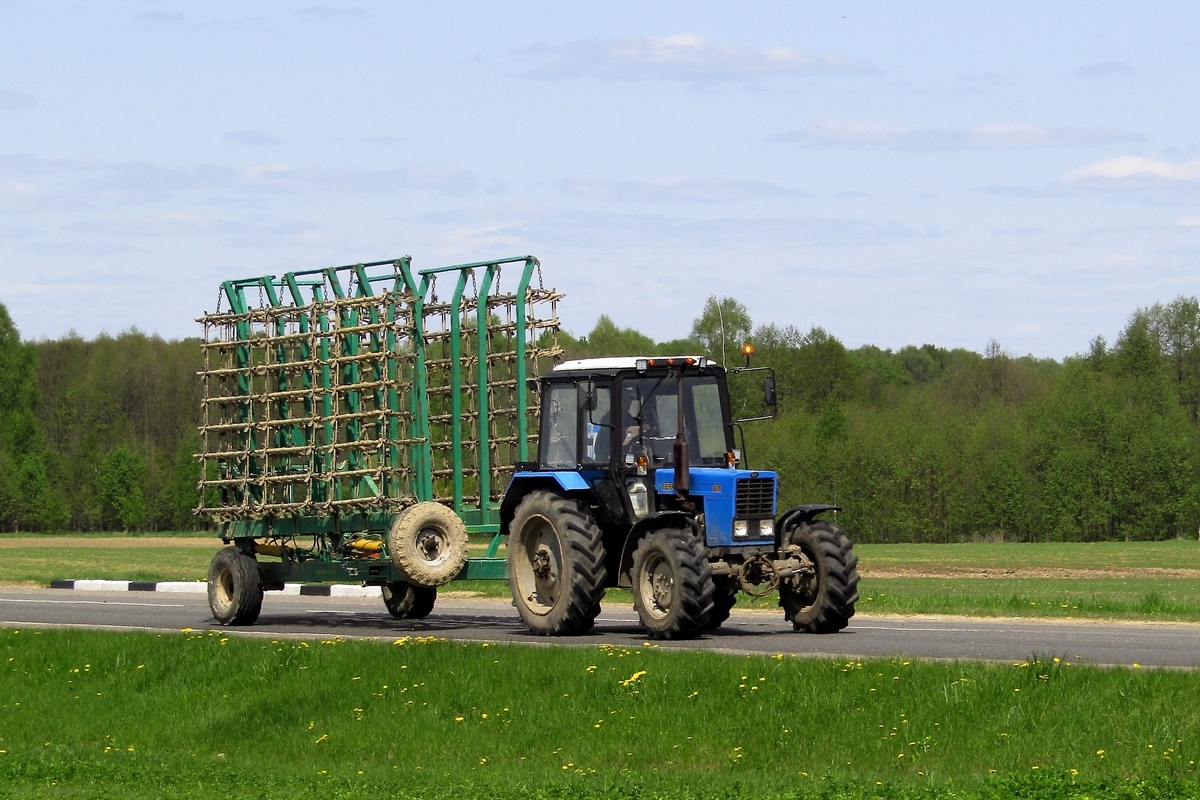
<point x="235" y="590"/>
<point x="672" y="584"/>
<point x="405" y="601"/>
<point x="555" y="564"/>
<point x="725" y="592"/>
<point x="827" y="603"/>
<point x="428" y="544"/>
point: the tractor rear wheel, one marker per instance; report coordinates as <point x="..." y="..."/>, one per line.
<point x="555" y="564"/>
<point x="823" y="603"/>
<point x="428" y="544"/>
<point x="672" y="584"/>
<point x="235" y="591"/>
<point x="405" y="601"/>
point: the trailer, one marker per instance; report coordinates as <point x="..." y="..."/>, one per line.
<point x="360" y="422"/>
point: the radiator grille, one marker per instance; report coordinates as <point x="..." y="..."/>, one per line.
<point x="755" y="497"/>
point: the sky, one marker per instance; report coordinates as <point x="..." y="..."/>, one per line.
<point x="1024" y="173"/>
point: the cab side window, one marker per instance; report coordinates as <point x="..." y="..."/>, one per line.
<point x="560" y="428"/>
<point x="598" y="428"/>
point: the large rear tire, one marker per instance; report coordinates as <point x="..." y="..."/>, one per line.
<point x="825" y="602"/>
<point x="405" y="601"/>
<point x="672" y="584"/>
<point x="428" y="544"/>
<point x="235" y="591"/>
<point x="555" y="564"/>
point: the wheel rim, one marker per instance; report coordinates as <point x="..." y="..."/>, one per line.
<point x="804" y="593"/>
<point x="538" y="570"/>
<point x="658" y="586"/>
<point x="397" y="597"/>
<point x="433" y="548"/>
<point x="224" y="586"/>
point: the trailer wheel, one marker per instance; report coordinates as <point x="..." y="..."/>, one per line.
<point x="824" y="603"/>
<point x="725" y="592"/>
<point x="672" y="585"/>
<point x="405" y="601"/>
<point x="428" y="544"/>
<point x="235" y="591"/>
<point x="555" y="564"/>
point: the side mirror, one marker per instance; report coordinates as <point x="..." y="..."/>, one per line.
<point x="769" y="392"/>
<point x="587" y="396"/>
<point x="532" y="385"/>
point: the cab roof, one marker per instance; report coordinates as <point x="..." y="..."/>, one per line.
<point x="630" y="362"/>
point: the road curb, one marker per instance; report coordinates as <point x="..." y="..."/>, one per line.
<point x="201" y="587"/>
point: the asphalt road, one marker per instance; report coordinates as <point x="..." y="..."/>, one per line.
<point x="1146" y="644"/>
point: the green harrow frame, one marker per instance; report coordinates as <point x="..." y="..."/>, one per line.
<point x="335" y="398"/>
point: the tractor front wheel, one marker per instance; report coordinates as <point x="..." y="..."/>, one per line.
<point x="555" y="564"/>
<point x="822" y="602"/>
<point x="725" y="592"/>
<point x="672" y="584"/>
<point x="235" y="591"/>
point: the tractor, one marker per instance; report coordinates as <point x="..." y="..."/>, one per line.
<point x="638" y="485"/>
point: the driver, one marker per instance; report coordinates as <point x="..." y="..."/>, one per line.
<point x="646" y="428"/>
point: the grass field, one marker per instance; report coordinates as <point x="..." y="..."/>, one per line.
<point x="86" y="714"/>
<point x="1120" y="580"/>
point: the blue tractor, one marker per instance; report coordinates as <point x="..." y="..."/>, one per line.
<point x="638" y="485"/>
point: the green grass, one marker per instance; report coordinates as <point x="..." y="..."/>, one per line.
<point x="1171" y="554"/>
<point x="1176" y="599"/>
<point x="88" y="714"/>
<point x="47" y="561"/>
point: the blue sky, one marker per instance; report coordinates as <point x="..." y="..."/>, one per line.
<point x="897" y="173"/>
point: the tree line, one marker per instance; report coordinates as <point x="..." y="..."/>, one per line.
<point x="920" y="444"/>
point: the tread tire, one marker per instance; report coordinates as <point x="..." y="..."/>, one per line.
<point x="235" y="590"/>
<point x="428" y="544"/>
<point x="725" y="592"/>
<point x="828" y="607"/>
<point x="555" y="564"/>
<point x="405" y="601"/>
<point x="672" y="584"/>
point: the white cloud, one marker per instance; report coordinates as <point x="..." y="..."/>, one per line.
<point x="1137" y="167"/>
<point x="15" y="98"/>
<point x="254" y="136"/>
<point x="354" y="180"/>
<point x="836" y="132"/>
<point x="31" y="184"/>
<point x="527" y="228"/>
<point x="673" y="190"/>
<point x="327" y="12"/>
<point x="684" y="56"/>
<point x="1103" y="69"/>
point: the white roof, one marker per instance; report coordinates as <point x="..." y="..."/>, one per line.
<point x="613" y="362"/>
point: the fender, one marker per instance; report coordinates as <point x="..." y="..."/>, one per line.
<point x="522" y="483"/>
<point x="653" y="522"/>
<point x="799" y="515"/>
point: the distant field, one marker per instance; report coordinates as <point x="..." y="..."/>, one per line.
<point x="1125" y="580"/>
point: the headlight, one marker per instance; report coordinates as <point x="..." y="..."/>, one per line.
<point x="741" y="529"/>
<point x="767" y="528"/>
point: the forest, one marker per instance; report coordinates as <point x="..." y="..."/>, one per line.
<point x="923" y="444"/>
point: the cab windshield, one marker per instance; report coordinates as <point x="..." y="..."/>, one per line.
<point x="649" y="408"/>
<point x="633" y="417"/>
